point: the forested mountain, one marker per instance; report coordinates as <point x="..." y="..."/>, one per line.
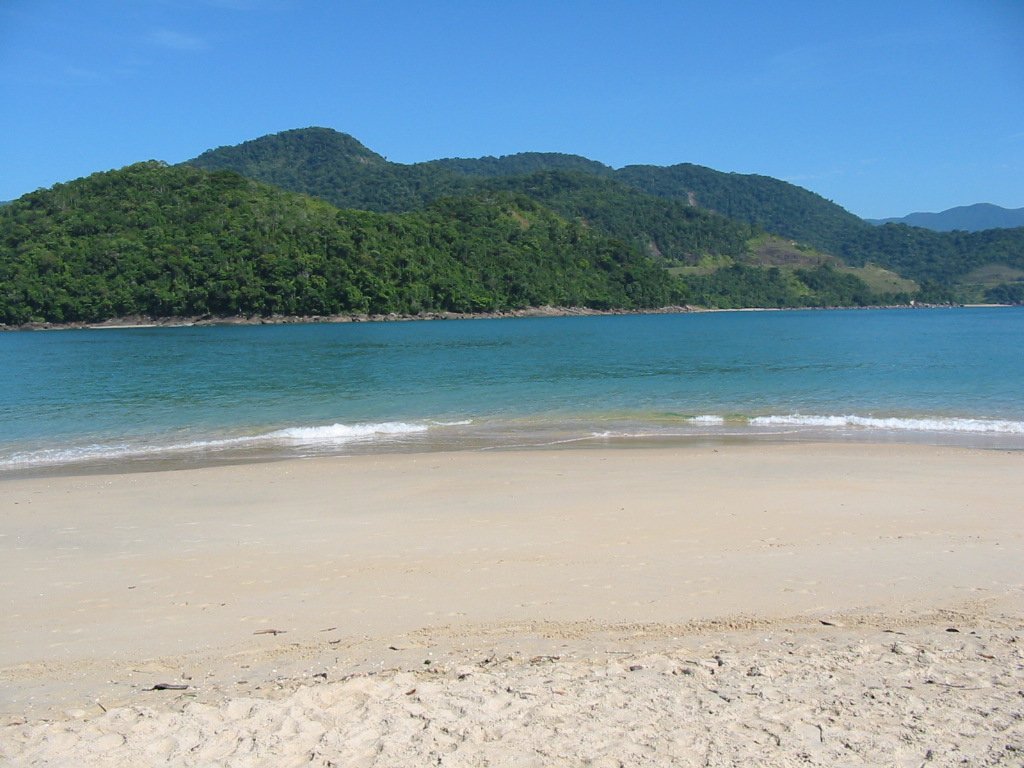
<point x="335" y="167"/>
<point x="161" y="241"/>
<point x="667" y="229"/>
<point x="165" y="241"/>
<point x="311" y="222"/>
<point x="775" y="206"/>
<point x="968" y="218"/>
<point x="521" y="164"/>
<point x="644" y="205"/>
<point x="943" y="257"/>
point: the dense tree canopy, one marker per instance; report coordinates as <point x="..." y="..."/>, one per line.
<point x="642" y="205"/>
<point x="178" y="241"/>
<point x="163" y="241"/>
<point x="769" y="204"/>
<point x="318" y="224"/>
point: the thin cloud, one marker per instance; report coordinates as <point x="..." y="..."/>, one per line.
<point x="178" y="41"/>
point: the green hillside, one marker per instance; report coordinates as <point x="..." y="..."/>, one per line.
<point x="775" y="206"/>
<point x="177" y="241"/>
<point x="335" y="167"/>
<point x="521" y="164"/>
<point x="666" y="229"/>
<point x="311" y="222"/>
<point x="162" y="241"/>
<point x="643" y="205"/>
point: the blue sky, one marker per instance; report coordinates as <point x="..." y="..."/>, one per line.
<point x="884" y="107"/>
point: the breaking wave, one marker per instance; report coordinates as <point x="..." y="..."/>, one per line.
<point x="976" y="426"/>
<point x="343" y="433"/>
<point x="708" y="420"/>
<point x="324" y="435"/>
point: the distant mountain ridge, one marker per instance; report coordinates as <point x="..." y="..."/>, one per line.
<point x="311" y="222"/>
<point x="967" y="218"/>
<point x="339" y="169"/>
<point x="176" y="241"/>
<point x="162" y="241"/>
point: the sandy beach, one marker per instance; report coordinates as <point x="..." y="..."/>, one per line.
<point x="783" y="604"/>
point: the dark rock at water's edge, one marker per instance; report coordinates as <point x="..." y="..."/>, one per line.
<point x="394" y="317"/>
<point x="179" y="322"/>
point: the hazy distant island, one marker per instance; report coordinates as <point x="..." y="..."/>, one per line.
<point x="310" y="222"/>
<point x="969" y="218"/>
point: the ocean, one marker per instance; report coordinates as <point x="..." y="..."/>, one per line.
<point x="87" y="400"/>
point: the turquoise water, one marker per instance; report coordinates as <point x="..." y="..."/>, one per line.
<point x="205" y="394"/>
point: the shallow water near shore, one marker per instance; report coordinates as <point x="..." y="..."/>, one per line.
<point x="147" y="397"/>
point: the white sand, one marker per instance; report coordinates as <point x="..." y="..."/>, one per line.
<point x="571" y="605"/>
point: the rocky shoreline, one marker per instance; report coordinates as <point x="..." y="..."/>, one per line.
<point x="138" y="321"/>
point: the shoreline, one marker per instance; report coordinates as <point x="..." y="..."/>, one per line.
<point x="738" y="435"/>
<point x="136" y="321"/>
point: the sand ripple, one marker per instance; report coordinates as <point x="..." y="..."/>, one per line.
<point x="830" y="697"/>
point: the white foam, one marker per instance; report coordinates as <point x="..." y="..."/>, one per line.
<point x="99" y="452"/>
<point x="713" y="420"/>
<point x="977" y="426"/>
<point x="343" y="433"/>
<point x="332" y="434"/>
